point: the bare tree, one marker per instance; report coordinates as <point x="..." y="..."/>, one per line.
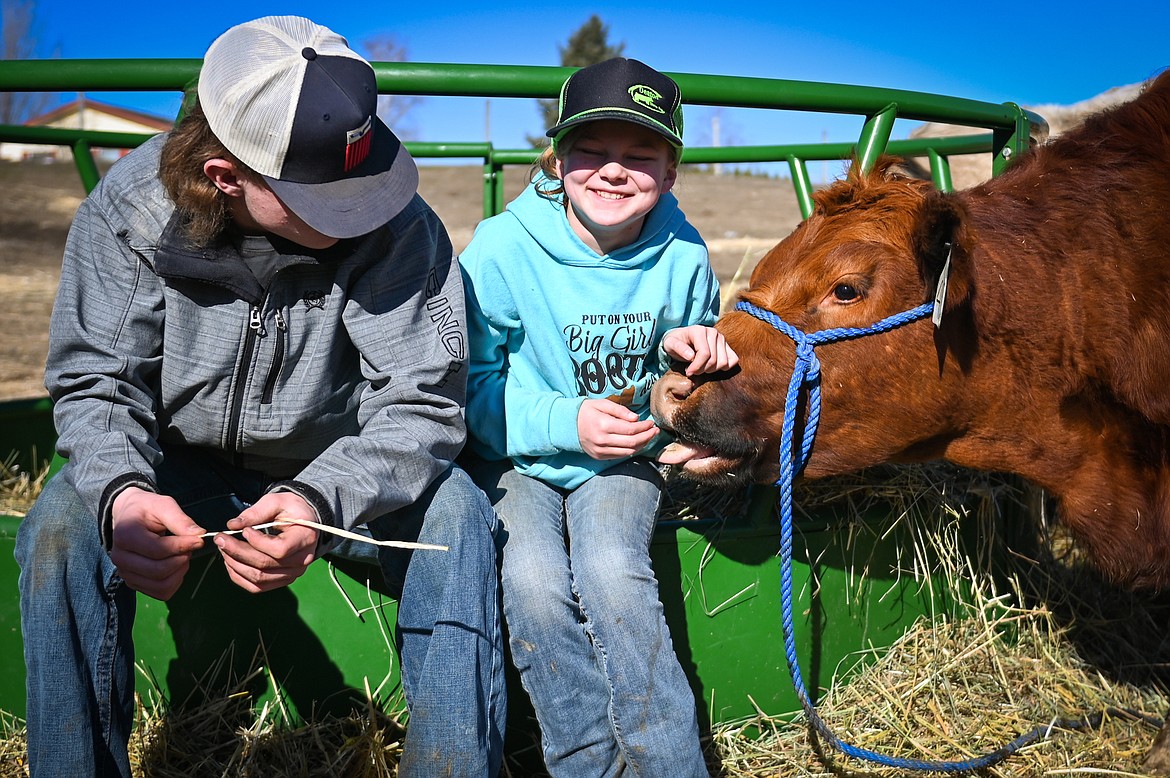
<point x="21" y="40"/>
<point x="392" y="109"/>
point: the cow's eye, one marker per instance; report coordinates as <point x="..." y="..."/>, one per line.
<point x="846" y="293"/>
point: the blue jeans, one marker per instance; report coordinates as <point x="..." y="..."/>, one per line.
<point x="586" y="628"/>
<point x="77" y="619"/>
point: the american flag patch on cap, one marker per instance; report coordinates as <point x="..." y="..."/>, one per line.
<point x="357" y="144"/>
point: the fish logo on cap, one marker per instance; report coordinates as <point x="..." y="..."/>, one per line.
<point x="646" y="97"/>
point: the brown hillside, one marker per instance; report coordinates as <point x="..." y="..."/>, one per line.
<point x="737" y="215"/>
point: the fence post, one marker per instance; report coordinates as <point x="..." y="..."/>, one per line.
<point x="940" y="171"/>
<point x="801" y="184"/>
<point x="875" y="135"/>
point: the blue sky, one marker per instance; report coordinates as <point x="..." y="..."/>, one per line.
<point x="1044" y="54"/>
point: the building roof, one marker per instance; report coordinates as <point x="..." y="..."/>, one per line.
<point x="86" y="104"/>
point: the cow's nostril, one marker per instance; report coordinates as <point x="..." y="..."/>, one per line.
<point x="678" y="387"/>
<point x="670" y="391"/>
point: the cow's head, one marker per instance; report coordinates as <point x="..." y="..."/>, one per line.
<point x="874" y="246"/>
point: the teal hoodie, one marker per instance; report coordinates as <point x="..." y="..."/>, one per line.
<point x="551" y="324"/>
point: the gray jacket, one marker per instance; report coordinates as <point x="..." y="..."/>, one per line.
<point x="345" y="377"/>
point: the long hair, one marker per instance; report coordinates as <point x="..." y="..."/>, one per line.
<point x="203" y="206"/>
<point x="546" y="163"/>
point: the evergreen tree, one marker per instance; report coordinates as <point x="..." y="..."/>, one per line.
<point x="587" y="46"/>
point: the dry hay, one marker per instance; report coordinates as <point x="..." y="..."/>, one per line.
<point x="12" y="747"/>
<point x="954" y="691"/>
<point x="19" y="487"/>
<point x="1042" y="642"/>
<point x="227" y="735"/>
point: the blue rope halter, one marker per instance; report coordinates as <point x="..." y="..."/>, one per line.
<point x="807" y="373"/>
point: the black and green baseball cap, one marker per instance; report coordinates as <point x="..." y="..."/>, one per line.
<point x="623" y="89"/>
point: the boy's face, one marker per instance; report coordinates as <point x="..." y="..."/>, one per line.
<point x="613" y="174"/>
<point x="254" y="207"/>
<point x="266" y="211"/>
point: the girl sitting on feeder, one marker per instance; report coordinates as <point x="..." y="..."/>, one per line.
<point x="578" y="296"/>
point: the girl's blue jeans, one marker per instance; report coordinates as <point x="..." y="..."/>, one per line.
<point x="585" y="625"/>
<point x="77" y="618"/>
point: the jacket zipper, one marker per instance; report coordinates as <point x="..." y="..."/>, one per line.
<point x="255" y="330"/>
<point x="277" y="358"/>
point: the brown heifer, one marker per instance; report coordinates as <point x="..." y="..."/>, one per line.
<point x="1052" y="358"/>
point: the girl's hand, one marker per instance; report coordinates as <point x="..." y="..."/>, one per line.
<point x="703" y="348"/>
<point x="610" y="431"/>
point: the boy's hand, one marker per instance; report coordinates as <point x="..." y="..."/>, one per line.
<point x="259" y="562"/>
<point x="704" y="349"/>
<point x="152" y="543"/>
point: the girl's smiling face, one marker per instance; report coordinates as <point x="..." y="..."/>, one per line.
<point x="613" y="173"/>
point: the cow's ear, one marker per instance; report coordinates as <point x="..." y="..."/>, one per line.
<point x="940" y="246"/>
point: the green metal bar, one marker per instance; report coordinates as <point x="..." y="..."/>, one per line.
<point x="92" y="75"/>
<point x="940" y="171"/>
<point x="1004" y="150"/>
<point x="492" y="178"/>
<point x="1010" y="144"/>
<point x="86" y="166"/>
<point x="802" y="184"/>
<point x="515" y="156"/>
<point x="63" y="136"/>
<point x="875" y="136"/>
<point x="733" y="91"/>
<point x="796" y="155"/>
<point x="952" y="146"/>
<point x="98" y="75"/>
<point x="460" y="80"/>
<point x="450" y="150"/>
<point x="1011" y="126"/>
<point x="945" y="146"/>
<point x="914" y="147"/>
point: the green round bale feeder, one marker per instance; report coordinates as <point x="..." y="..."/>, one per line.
<point x="328" y="638"/>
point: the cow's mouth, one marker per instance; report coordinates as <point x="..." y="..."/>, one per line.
<point x="710" y="464"/>
<point x="715" y="448"/>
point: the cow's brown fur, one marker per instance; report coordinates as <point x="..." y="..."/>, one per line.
<point x="1053" y="357"/>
